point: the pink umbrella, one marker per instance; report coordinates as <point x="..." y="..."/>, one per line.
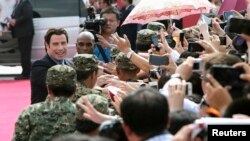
<point x="153" y="10"/>
<point x="237" y="5"/>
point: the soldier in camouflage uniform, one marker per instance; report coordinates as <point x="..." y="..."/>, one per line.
<point x="53" y="117"/>
<point x="144" y="40"/>
<point x="126" y="70"/>
<point x="86" y="66"/>
<point x="85" y="126"/>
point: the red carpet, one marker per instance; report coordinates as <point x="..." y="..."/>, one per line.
<point x="14" y="97"/>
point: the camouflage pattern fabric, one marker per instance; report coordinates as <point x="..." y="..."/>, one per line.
<point x="61" y="76"/>
<point x="81" y="90"/>
<point x="122" y="62"/>
<point x="144" y="36"/>
<point x="85" y="62"/>
<point x="156" y="26"/>
<point x="114" y="52"/>
<point x="46" y="120"/>
<point x="100" y="103"/>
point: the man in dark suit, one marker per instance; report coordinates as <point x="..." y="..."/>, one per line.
<point x="56" y="42"/>
<point x="130" y="29"/>
<point x="22" y="28"/>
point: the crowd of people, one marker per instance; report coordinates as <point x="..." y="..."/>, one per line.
<point x="113" y="90"/>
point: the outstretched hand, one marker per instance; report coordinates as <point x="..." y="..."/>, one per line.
<point x="123" y="44"/>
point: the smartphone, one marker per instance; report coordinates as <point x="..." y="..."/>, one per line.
<point x="158" y="60"/>
<point x="227" y="75"/>
<point x="207" y="20"/>
<point x="182" y="38"/>
<point x="197" y="67"/>
<point x="155" y="42"/>
<point x="189" y="88"/>
<point x="228" y="15"/>
<point x="195" y="47"/>
<point x="223" y="40"/>
<point x="237" y="25"/>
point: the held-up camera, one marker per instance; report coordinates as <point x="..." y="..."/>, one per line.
<point x="195" y="47"/>
<point x="227" y="75"/>
<point x="197" y="67"/>
<point x="153" y="73"/>
<point x="155" y="42"/>
<point x="158" y="60"/>
<point x="237" y="25"/>
<point x="92" y="24"/>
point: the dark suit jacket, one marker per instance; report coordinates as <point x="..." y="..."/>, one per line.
<point x="130" y="29"/>
<point x="38" y="77"/>
<point x="23" y="15"/>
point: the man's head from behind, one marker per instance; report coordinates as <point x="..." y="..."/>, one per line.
<point x="144" y="40"/>
<point x="61" y="80"/>
<point x="85" y="43"/>
<point x="86" y="126"/>
<point x="125" y="67"/>
<point x="112" y="18"/>
<point x="56" y="43"/>
<point x="86" y="66"/>
<point x="144" y="113"/>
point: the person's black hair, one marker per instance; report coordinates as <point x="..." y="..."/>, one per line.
<point x="111" y="10"/>
<point x="180" y="118"/>
<point x="238" y="106"/>
<point x="145" y="112"/>
<point x="83" y="75"/>
<point x="108" y="2"/>
<point x="186" y="54"/>
<point x="142" y="47"/>
<point x="163" y="79"/>
<point x="86" y="126"/>
<point x="130" y="1"/>
<point x="65" y="91"/>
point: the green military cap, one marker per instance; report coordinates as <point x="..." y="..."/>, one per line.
<point x="156" y="26"/>
<point x="144" y="36"/>
<point x="100" y="103"/>
<point x="122" y="62"/>
<point x="85" y="62"/>
<point x="114" y="52"/>
<point x="61" y="76"/>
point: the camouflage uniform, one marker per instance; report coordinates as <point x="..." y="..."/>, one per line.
<point x="144" y="36"/>
<point x="84" y="63"/>
<point x="122" y="62"/>
<point x="100" y="103"/>
<point x="53" y="117"/>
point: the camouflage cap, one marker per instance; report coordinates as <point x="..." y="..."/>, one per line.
<point x="156" y="26"/>
<point x="100" y="103"/>
<point x="144" y="36"/>
<point x="114" y="52"/>
<point x="61" y="76"/>
<point x="85" y="62"/>
<point x="122" y="62"/>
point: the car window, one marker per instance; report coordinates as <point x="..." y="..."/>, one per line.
<point x="58" y="8"/>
